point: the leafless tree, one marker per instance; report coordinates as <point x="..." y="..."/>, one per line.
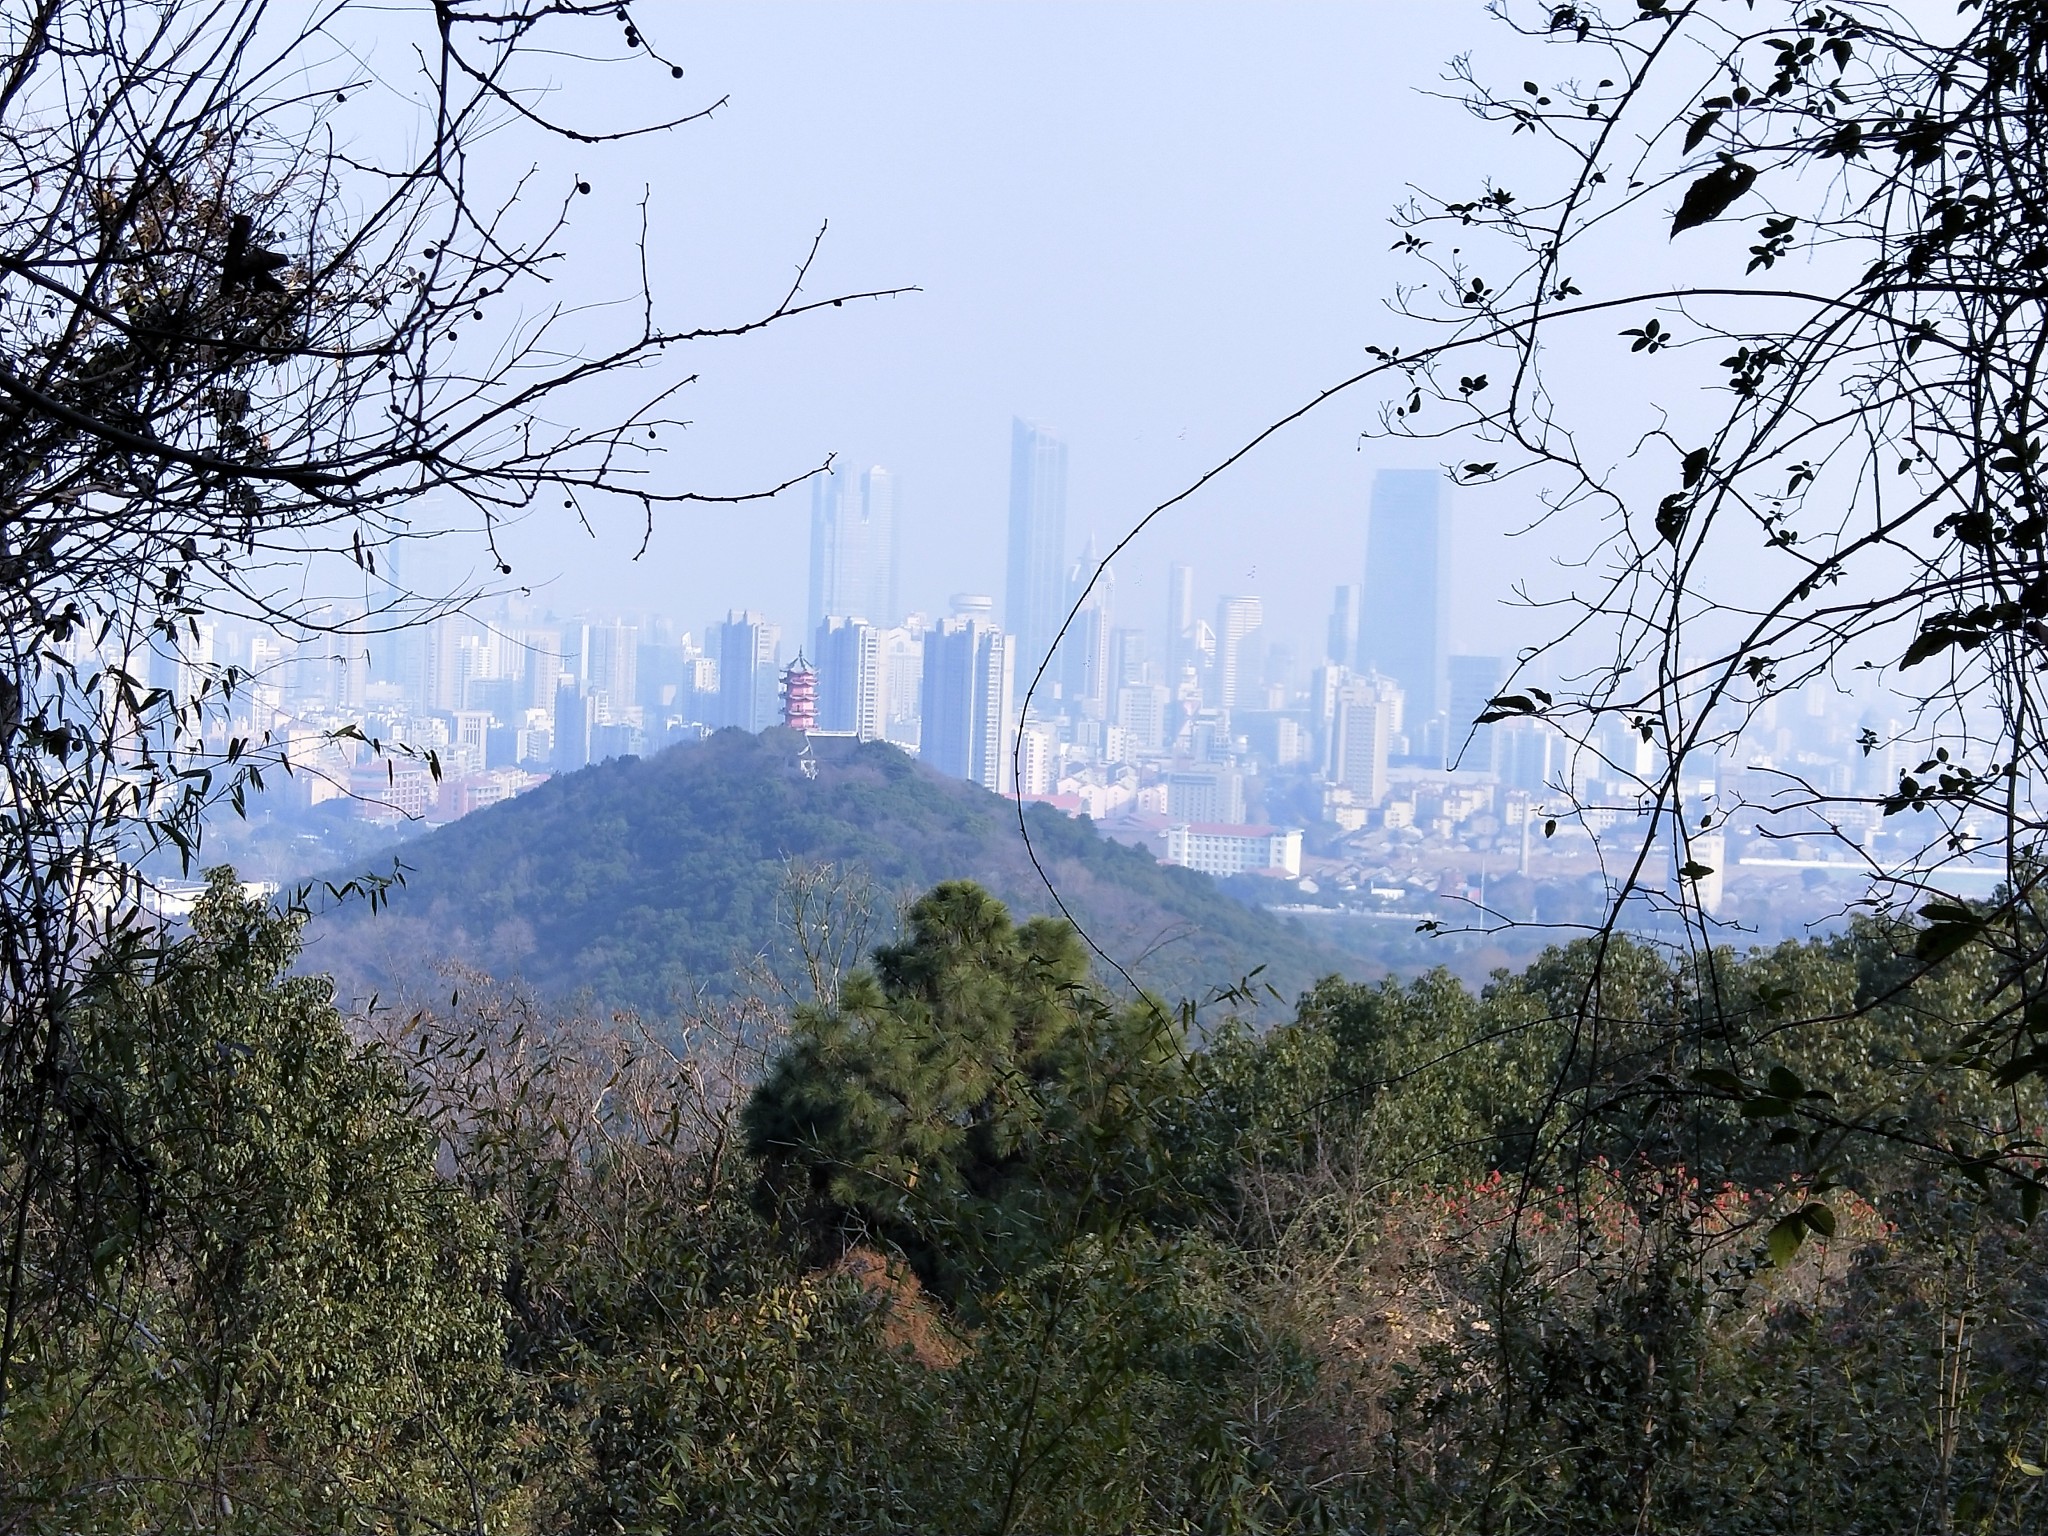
<point x="273" y="278"/>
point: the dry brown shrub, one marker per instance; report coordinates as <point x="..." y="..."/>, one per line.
<point x="911" y="1322"/>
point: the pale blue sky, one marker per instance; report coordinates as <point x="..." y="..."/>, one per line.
<point x="1153" y="226"/>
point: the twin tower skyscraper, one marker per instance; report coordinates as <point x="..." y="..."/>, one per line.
<point x="855" y="546"/>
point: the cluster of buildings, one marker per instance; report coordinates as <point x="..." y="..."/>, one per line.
<point x="1193" y="730"/>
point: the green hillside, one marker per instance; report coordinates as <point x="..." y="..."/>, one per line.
<point x="638" y="880"/>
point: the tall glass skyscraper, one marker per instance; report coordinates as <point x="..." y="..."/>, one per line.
<point x="1404" y="619"/>
<point x="1034" y="600"/>
<point x="1180" y="622"/>
<point x="853" y="547"/>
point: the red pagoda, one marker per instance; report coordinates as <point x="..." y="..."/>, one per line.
<point x="800" y="695"/>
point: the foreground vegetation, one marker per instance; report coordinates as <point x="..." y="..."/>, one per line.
<point x="965" y="1243"/>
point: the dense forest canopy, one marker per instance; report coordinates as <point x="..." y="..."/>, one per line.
<point x="642" y="881"/>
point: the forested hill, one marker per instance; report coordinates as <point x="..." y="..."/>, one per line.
<point x="639" y="879"/>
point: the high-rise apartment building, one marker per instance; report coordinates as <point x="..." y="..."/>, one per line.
<point x="1035" y="597"/>
<point x="1404" y="615"/>
<point x="1211" y="796"/>
<point x="967" y="730"/>
<point x="611" y="662"/>
<point x="848" y="653"/>
<point x="853" y="547"/>
<point x="1237" y="620"/>
<point x="1129" y="659"/>
<point x="1474" y="681"/>
<point x="902" y="669"/>
<point x="1144" y="713"/>
<point x="544" y="666"/>
<point x="749" y="671"/>
<point x="1368" y="712"/>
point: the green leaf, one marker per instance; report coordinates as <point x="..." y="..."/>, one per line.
<point x="1786" y="1236"/>
<point x="1819" y="1218"/>
<point x="1785" y="1084"/>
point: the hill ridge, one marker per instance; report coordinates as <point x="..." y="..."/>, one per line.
<point x="639" y="880"/>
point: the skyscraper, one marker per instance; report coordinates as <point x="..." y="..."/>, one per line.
<point x="749" y="659"/>
<point x="1180" y="622"/>
<point x="611" y="663"/>
<point x="853" y="547"/>
<point x="967" y="728"/>
<point x="1404" y="616"/>
<point x="878" y="493"/>
<point x="1474" y="680"/>
<point x="1085" y="653"/>
<point x="1343" y="642"/>
<point x="1237" y="620"/>
<point x="1034" y="598"/>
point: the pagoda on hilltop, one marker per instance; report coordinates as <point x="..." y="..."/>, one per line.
<point x="800" y="695"/>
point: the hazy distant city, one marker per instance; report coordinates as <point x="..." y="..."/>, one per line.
<point x="1350" y="781"/>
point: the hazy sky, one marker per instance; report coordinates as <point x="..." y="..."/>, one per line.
<point x="1156" y="227"/>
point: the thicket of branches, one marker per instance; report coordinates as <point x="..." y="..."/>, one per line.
<point x="1753" y="333"/>
<point x="263" y="300"/>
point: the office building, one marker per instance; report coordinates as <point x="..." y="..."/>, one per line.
<point x="853" y="547"/>
<point x="1086" y="664"/>
<point x="1528" y="755"/>
<point x="1341" y="648"/>
<point x="966" y="729"/>
<point x="1404" y="614"/>
<point x="1180" y="623"/>
<point x="1474" y="681"/>
<point x="749" y="671"/>
<point x="1035" y="596"/>
<point x="879" y="495"/>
